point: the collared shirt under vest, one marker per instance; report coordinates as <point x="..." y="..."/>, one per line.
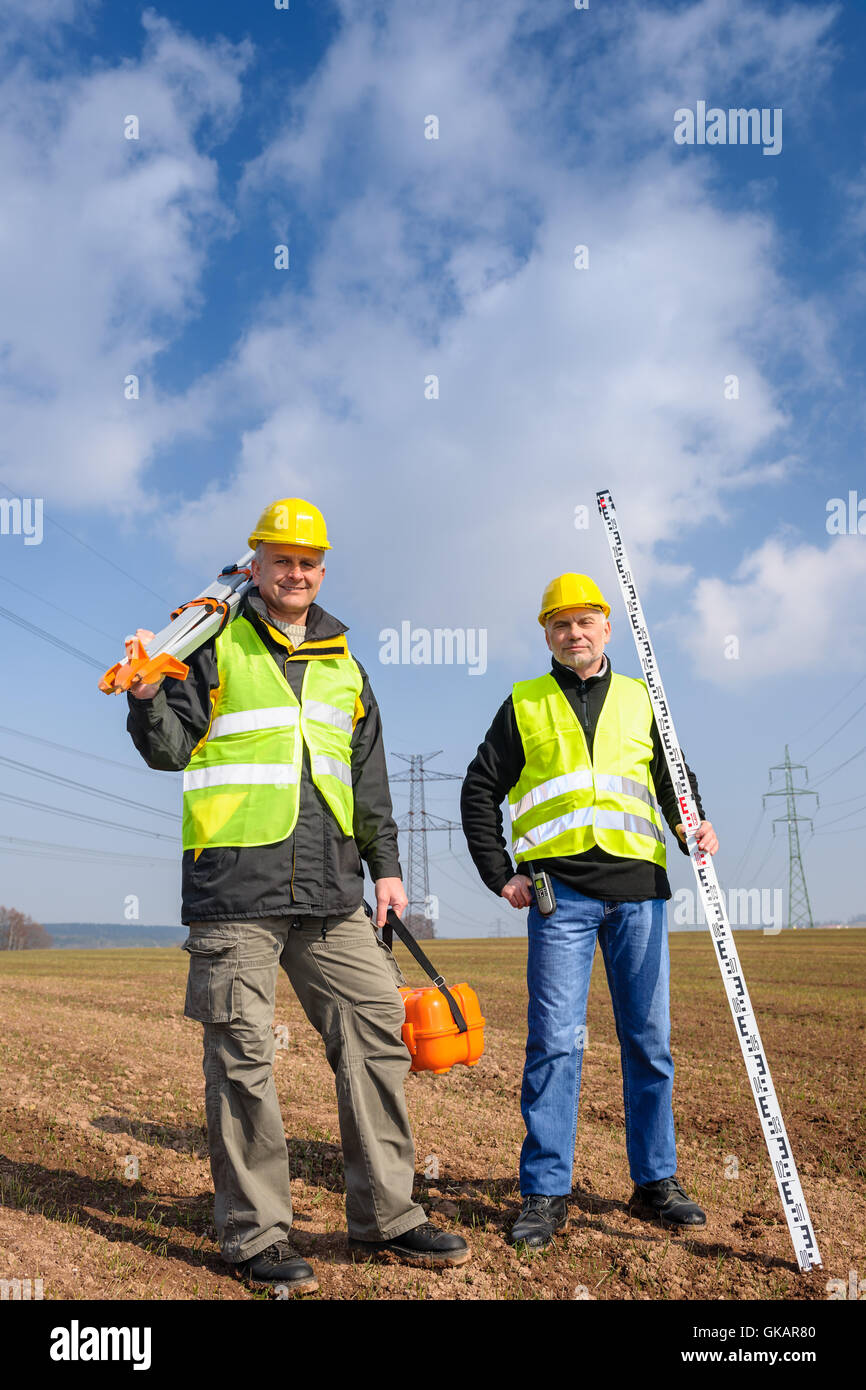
<point x="242" y="783"/>
<point x="565" y="800"/>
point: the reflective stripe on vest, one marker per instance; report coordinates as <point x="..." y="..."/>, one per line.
<point x="248" y="720"/>
<point x="328" y="714"/>
<point x="241" y="786"/>
<point x="322" y="764"/>
<point x="240" y="774"/>
<point x="566" y="802"/>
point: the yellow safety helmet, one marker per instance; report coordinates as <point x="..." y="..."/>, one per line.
<point x="294" y="520"/>
<point x="571" y="591"/>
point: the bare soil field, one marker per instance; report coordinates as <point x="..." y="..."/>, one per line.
<point x="101" y="1079"/>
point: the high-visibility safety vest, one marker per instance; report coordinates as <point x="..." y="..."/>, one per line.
<point x="565" y="801"/>
<point x="242" y="784"/>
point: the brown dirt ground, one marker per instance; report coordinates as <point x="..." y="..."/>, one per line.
<point x="98" y="1064"/>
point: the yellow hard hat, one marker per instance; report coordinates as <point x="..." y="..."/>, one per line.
<point x="571" y="591"/>
<point x="293" y="520"/>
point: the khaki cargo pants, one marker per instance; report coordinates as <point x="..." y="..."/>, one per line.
<point x="346" y="980"/>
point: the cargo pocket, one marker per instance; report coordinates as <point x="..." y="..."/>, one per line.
<point x="211" y="983"/>
<point x="392" y="962"/>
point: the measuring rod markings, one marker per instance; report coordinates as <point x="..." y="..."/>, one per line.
<point x="775" y="1134"/>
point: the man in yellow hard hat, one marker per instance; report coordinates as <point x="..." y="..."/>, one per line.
<point x="285" y="792"/>
<point x="578" y="756"/>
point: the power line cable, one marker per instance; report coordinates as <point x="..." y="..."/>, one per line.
<point x="856" y="812"/>
<point x="119" y="568"/>
<point x="457" y="912"/>
<point x="452" y="857"/>
<point x="37" y="849"/>
<point x="837" y="731"/>
<point x="750" y="844"/>
<point x="91" y="820"/>
<point x="773" y="846"/>
<point x="832" y="773"/>
<point x="87" y="546"/>
<point x="472" y="920"/>
<point x="112" y="636"/>
<point x="459" y="918"/>
<point x="88" y="790"/>
<point x="823" y="718"/>
<point x="84" y="753"/>
<point x="49" y="637"/>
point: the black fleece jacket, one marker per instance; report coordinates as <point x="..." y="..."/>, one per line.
<point x="317" y="870"/>
<point x="496" y="768"/>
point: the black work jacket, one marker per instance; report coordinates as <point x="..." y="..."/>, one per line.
<point x="496" y="768"/>
<point x="317" y="870"/>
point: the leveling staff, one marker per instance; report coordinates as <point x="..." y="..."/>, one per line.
<point x="285" y="789"/>
<point x="577" y="754"/>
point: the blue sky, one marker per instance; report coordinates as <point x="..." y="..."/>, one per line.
<point x="451" y="257"/>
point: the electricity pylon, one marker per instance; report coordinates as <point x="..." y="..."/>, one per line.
<point x="799" y="907"/>
<point x="419" y="824"/>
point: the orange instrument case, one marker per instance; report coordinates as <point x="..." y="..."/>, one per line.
<point x="442" y="1026"/>
<point x="432" y="1036"/>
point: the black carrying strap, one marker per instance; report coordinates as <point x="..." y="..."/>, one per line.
<point x="393" y="924"/>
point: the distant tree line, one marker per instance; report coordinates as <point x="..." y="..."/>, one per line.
<point x="18" y="932"/>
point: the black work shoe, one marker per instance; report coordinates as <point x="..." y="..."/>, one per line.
<point x="669" y="1202"/>
<point x="423" y="1245"/>
<point x="279" y="1263"/>
<point x="539" y="1219"/>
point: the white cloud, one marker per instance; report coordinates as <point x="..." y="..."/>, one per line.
<point x="451" y="257"/>
<point x="455" y="257"/>
<point x="794" y="609"/>
<point x="721" y="51"/>
<point x="102" y="243"/>
<point x="23" y="23"/>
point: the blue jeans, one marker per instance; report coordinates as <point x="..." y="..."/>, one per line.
<point x="633" y="939"/>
